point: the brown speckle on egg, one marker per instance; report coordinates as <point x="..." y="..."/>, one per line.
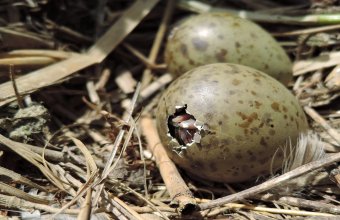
<point x="236" y="82"/>
<point x="221" y="55"/>
<point x="275" y="106"/>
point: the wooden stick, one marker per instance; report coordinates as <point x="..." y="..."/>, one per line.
<point x="179" y="192"/>
<point x="158" y="40"/>
<point x="265" y="209"/>
<point x="310" y="204"/>
<point x="326" y="161"/>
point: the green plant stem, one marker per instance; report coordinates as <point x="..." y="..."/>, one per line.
<point x="314" y="19"/>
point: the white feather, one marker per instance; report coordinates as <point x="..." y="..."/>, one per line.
<point x="308" y="148"/>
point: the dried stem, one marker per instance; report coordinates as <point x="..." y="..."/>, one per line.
<point x="304" y="203"/>
<point x="317" y="63"/>
<point x="316" y="117"/>
<point x="15" y="88"/>
<point x="19" y="178"/>
<point x="155" y="86"/>
<point x="116" y="144"/>
<point x="179" y="192"/>
<point x="158" y="40"/>
<point x="140" y="56"/>
<point x="147" y="209"/>
<point x="200" y="7"/>
<point x="130" y="190"/>
<point x="120" y="211"/>
<point x="308" y="30"/>
<point x="12" y="202"/>
<point x="21" y="194"/>
<point x="265" y="209"/>
<point x="133" y="212"/>
<point x="272" y="182"/>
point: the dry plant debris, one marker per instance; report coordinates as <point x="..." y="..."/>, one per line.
<point x="79" y="82"/>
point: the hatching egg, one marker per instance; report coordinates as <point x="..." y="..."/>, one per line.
<point x="228" y="123"/>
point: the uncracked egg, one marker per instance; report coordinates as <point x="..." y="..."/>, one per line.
<point x="220" y="37"/>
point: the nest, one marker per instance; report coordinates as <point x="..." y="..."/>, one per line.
<point x="79" y="85"/>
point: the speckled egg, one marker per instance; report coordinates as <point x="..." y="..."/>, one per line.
<point x="220" y="37"/>
<point x="228" y="122"/>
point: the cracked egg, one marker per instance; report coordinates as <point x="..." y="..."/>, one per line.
<point x="220" y="37"/>
<point x="228" y="122"/>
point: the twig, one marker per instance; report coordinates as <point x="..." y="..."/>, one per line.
<point x="326" y="161"/>
<point x="21" y="194"/>
<point x="158" y="40"/>
<point x="68" y="32"/>
<point x="81" y="191"/>
<point x="130" y="190"/>
<point x="155" y="86"/>
<point x="335" y="176"/>
<point x="147" y="209"/>
<point x="33" y="158"/>
<point x="116" y="144"/>
<point x="120" y="211"/>
<point x="133" y="212"/>
<point x="125" y="81"/>
<point x="322" y="61"/>
<point x="27" y="62"/>
<point x="91" y="167"/>
<point x="93" y="95"/>
<point x="15" y="88"/>
<point x="22" y="39"/>
<point x="13" y="202"/>
<point x="298" y="202"/>
<point x="297" y="83"/>
<point x="20" y="179"/>
<point x="103" y="79"/>
<point x="56" y="54"/>
<point x="265" y="209"/>
<point x="333" y="79"/>
<point x="150" y="90"/>
<point x="85" y="210"/>
<point x="138" y="135"/>
<point x="51" y="155"/>
<point x="308" y="31"/>
<point x="316" y="117"/>
<point x="140" y="56"/>
<point x="179" y="192"/>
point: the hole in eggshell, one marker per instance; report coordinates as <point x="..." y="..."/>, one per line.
<point x="184" y="127"/>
